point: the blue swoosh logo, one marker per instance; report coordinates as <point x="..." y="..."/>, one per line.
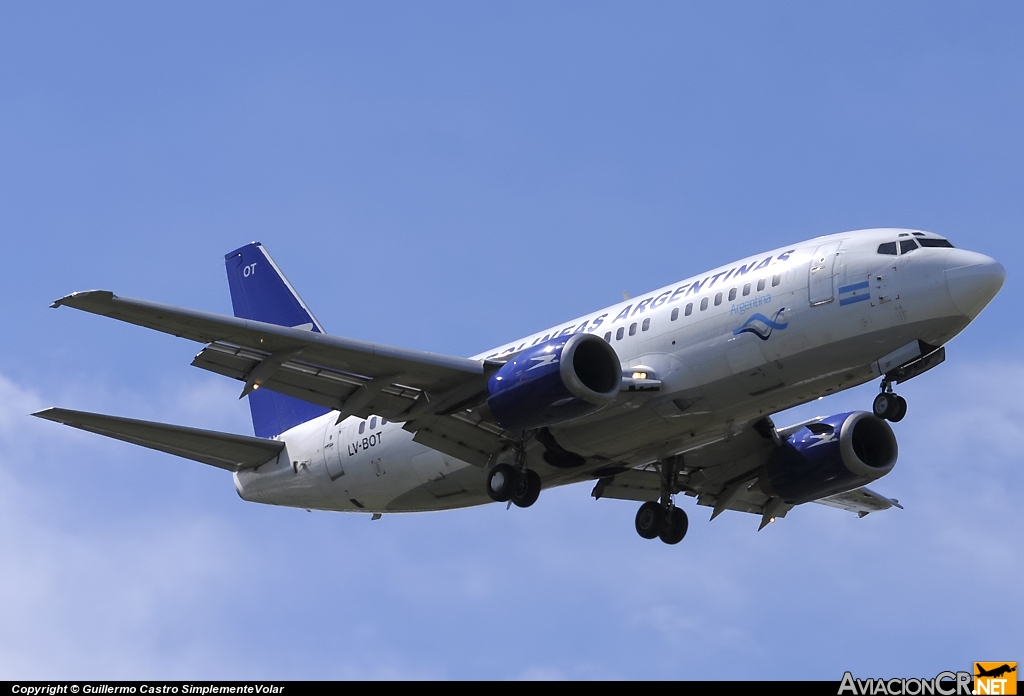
<point x="769" y="325"/>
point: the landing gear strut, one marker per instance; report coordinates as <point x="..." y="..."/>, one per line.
<point x="514" y="483"/>
<point x="527" y="489"/>
<point x="888" y="404"/>
<point x="662" y="518"/>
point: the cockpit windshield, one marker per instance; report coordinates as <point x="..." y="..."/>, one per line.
<point x="941" y="243"/>
<point x="905" y="246"/>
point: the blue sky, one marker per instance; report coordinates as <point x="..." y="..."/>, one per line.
<point x="449" y="176"/>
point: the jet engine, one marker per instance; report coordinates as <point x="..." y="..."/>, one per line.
<point x="833" y="455"/>
<point x="553" y="382"/>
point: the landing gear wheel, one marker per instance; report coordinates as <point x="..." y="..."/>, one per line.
<point x="900" y="411"/>
<point x="675" y="527"/>
<point x="501" y="482"/>
<point x="889" y="406"/>
<point x="884" y="405"/>
<point x="527" y="489"/>
<point x="650" y="519"/>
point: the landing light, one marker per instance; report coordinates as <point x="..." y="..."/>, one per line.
<point x="639" y="375"/>
<point x="771" y="521"/>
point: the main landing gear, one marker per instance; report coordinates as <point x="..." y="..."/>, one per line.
<point x="662" y="518"/>
<point x="514" y="483"/>
<point x="889" y="405"/>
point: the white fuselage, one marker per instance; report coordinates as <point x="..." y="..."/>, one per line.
<point x="729" y="346"/>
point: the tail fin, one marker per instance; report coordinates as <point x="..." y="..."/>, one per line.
<point x="259" y="291"/>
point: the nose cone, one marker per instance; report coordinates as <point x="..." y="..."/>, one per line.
<point x="973" y="280"/>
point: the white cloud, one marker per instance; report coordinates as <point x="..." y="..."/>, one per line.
<point x="86" y="597"/>
<point x="151" y="566"/>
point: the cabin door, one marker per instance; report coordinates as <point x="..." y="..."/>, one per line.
<point x="333" y="442"/>
<point x="821" y="274"/>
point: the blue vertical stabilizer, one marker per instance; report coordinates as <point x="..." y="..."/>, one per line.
<point x="259" y="291"/>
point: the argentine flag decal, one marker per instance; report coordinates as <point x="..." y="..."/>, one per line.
<point x="848" y="294"/>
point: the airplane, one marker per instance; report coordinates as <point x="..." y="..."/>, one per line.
<point x="668" y="393"/>
<point x="996" y="671"/>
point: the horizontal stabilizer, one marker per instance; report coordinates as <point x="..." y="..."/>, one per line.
<point x="222" y="450"/>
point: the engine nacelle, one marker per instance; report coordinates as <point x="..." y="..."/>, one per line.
<point x="553" y="382"/>
<point x="834" y="455"/>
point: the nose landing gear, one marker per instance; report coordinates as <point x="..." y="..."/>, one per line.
<point x="662" y="518"/>
<point x="889" y="405"/>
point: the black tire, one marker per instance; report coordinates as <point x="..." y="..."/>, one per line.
<point x="883" y="405"/>
<point x="900" y="411"/>
<point x="649" y="519"/>
<point x="527" y="489"/>
<point x="675" y="527"/>
<point x="501" y="482"/>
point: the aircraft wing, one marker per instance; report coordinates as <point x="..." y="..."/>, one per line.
<point x="418" y="368"/>
<point x="721" y="475"/>
<point x="428" y="392"/>
<point x="861" y="500"/>
<point x="222" y="450"/>
<point x="724" y="476"/>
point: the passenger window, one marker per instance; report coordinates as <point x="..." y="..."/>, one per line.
<point x="618" y="334"/>
<point x="718" y="299"/>
<point x="732" y="294"/>
<point x="646" y="325"/>
<point x="689" y="309"/>
<point x="907" y="246"/>
<point x="675" y="314"/>
<point x="608" y="337"/>
<point x="776" y="280"/>
<point x="632" y="329"/>
<point x="362" y="427"/>
<point x="746" y="289"/>
<point x="760" y="285"/>
<point x="703" y="304"/>
<point x="373" y="422"/>
<point x="887" y="248"/>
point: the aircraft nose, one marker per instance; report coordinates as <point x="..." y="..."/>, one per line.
<point x="973" y="280"/>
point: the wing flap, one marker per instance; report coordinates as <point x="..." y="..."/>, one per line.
<point x="314" y="384"/>
<point x="473" y="443"/>
<point x="635" y="484"/>
<point x="222" y="450"/>
<point x="332" y="389"/>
